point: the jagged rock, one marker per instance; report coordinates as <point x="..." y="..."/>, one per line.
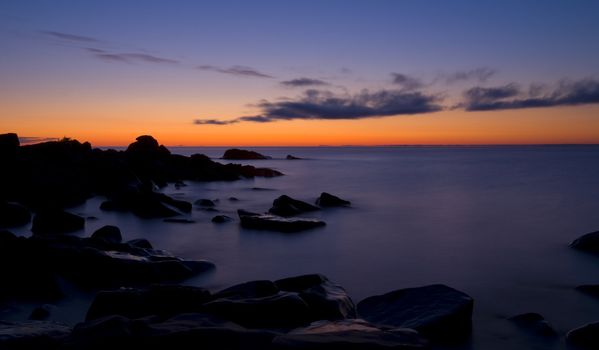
<point x="276" y="223"/>
<point x="352" y="334"/>
<point x="55" y="221"/>
<point x="534" y="323"/>
<point x="13" y="215"/>
<point x="287" y="206"/>
<point x="164" y="301"/>
<point x="436" y="311"/>
<point x="240" y="154"/>
<point x="588" y="242"/>
<point x="328" y="200"/>
<point x="109" y="234"/>
<point x="585" y="337"/>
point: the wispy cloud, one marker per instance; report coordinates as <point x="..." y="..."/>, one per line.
<point x="236" y="70"/>
<point x="481" y="75"/>
<point x="28" y="140"/>
<point x="70" y="37"/>
<point x="406" y="82"/>
<point x="322" y="104"/>
<point x="132" y="57"/>
<point x="303" y="82"/>
<point x="511" y="96"/>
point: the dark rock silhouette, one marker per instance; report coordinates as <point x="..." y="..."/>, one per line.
<point x="219" y="219"/>
<point x="328" y="200"/>
<point x="109" y="234"/>
<point x="276" y="223"/>
<point x="287" y="206"/>
<point x="349" y="334"/>
<point x="585" y="337"/>
<point x="534" y="323"/>
<point x="205" y="202"/>
<point x="179" y="221"/>
<point x="290" y="157"/>
<point x="437" y="311"/>
<point x="234" y="199"/>
<point x="588" y="242"/>
<point x="145" y="203"/>
<point x="241" y="154"/>
<point x="589" y="289"/>
<point x="13" y="215"/>
<point x="32" y="335"/>
<point x="42" y="313"/>
<point x="55" y="221"/>
<point x="9" y="145"/>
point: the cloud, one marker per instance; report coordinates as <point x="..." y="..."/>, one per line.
<point x="236" y="70"/>
<point x="303" y="82"/>
<point x="566" y="93"/>
<point x="70" y="37"/>
<point x="130" y="57"/>
<point x="28" y="140"/>
<point x="406" y="82"/>
<point x="322" y="104"/>
<point x="480" y="75"/>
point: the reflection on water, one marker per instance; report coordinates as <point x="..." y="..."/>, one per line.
<point x="491" y="221"/>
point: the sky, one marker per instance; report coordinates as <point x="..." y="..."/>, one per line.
<point x="301" y="73"/>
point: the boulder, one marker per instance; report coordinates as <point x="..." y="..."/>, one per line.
<point x="140" y="243"/>
<point x="147" y="146"/>
<point x="287" y="206"/>
<point x="326" y="300"/>
<point x="249" y="290"/>
<point x="352" y="334"/>
<point x="164" y="301"/>
<point x="219" y="219"/>
<point x="241" y="154"/>
<point x="585" y="337"/>
<point x="32" y="335"/>
<point x="328" y="200"/>
<point x="534" y="323"/>
<point x="13" y="215"/>
<point x="179" y="221"/>
<point x="9" y="144"/>
<point x="437" y="311"/>
<point x="276" y="223"/>
<point x="588" y="242"/>
<point x="108" y="234"/>
<point x="205" y="202"/>
<point x="55" y="221"/>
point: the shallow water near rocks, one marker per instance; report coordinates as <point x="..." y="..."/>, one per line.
<point x="494" y="222"/>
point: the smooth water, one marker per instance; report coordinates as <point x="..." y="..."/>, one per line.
<point x="494" y="222"/>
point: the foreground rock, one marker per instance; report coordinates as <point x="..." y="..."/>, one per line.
<point x="328" y="200"/>
<point x="588" y="242"/>
<point x="349" y="334"/>
<point x="437" y="311"/>
<point x="109" y="234"/>
<point x="32" y="335"/>
<point x="287" y="206"/>
<point x="13" y="215"/>
<point x="241" y="154"/>
<point x="55" y="221"/>
<point x="275" y="223"/>
<point x="585" y="337"/>
<point x="534" y="323"/>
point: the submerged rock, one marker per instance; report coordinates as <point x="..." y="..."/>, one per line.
<point x="328" y="200"/>
<point x="437" y="311"/>
<point x="241" y="154"/>
<point x="219" y="219"/>
<point x="32" y="335"/>
<point x="55" y="221"/>
<point x="179" y="221"/>
<point x="287" y="206"/>
<point x="205" y="202"/>
<point x="290" y="157"/>
<point x="534" y="323"/>
<point x="588" y="242"/>
<point x="276" y="223"/>
<point x="13" y="215"/>
<point x="585" y="337"/>
<point x="347" y="335"/>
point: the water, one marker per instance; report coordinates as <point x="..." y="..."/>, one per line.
<point x="493" y="222"/>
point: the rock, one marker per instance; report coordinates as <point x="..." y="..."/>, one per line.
<point x="534" y="323"/>
<point x="140" y="243"/>
<point x="145" y="204"/>
<point x="326" y="300"/>
<point x="290" y="157"/>
<point x="437" y="311"/>
<point x="179" y="221"/>
<point x="287" y="206"/>
<point x="219" y="219"/>
<point x="212" y="210"/>
<point x="234" y="199"/>
<point x="328" y="200"/>
<point x="248" y="290"/>
<point x="54" y="221"/>
<point x="109" y="234"/>
<point x="13" y="215"/>
<point x="178" y="204"/>
<point x="588" y="242"/>
<point x="589" y="289"/>
<point x="147" y="146"/>
<point x="585" y="337"/>
<point x="164" y="301"/>
<point x="205" y="203"/>
<point x="349" y="334"/>
<point x="9" y="144"/>
<point x="275" y="223"/>
<point x="32" y="335"/>
<point x="42" y="313"/>
<point x="240" y="154"/>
